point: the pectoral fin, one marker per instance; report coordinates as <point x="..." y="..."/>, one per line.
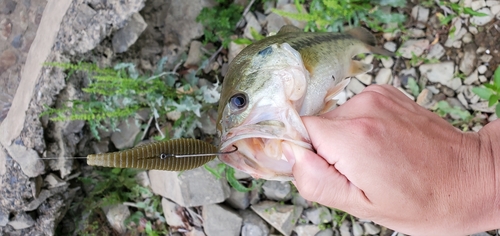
<point x="330" y="105"/>
<point x="357" y="68"/>
<point x="335" y="90"/>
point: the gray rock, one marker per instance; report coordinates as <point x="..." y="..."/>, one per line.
<point x="482" y="20"/>
<point x="482" y="107"/>
<point x="390" y="46"/>
<point x="238" y="174"/>
<point x="413" y="47"/>
<point x="345" y="228"/>
<point x="306" y="230"/>
<point x="3" y="161"/>
<point x="371" y="229"/>
<point x="468" y="62"/>
<point x="365" y="78"/>
<point x="252" y="22"/>
<point x="419" y="13"/>
<point x="33" y="205"/>
<point x="300" y="201"/>
<point x="416" y="33"/>
<point x="142" y="179"/>
<point x="318" y="215"/>
<point x="194" y="187"/>
<point x="462" y="100"/>
<point x="355" y="86"/>
<point x="439" y="72"/>
<point x="482" y="69"/>
<point x="281" y="217"/>
<point x="424" y="99"/>
<point x="478" y="4"/>
<point x="194" y="55"/>
<point x="185" y="12"/>
<point x="238" y="200"/>
<point x="457" y="35"/>
<point x="234" y="49"/>
<point x="7" y="6"/>
<point x="127" y="35"/>
<point x="21" y="221"/>
<point x="327" y="232"/>
<point x="482" y="79"/>
<point x="387" y="62"/>
<point x="491" y="3"/>
<point x="495" y="10"/>
<point x="253" y="225"/>
<point x="116" y="215"/>
<point x="357" y="230"/>
<point x="274" y="22"/>
<point x="4" y="217"/>
<point x="455" y="83"/>
<point x="27" y="158"/>
<point x="195" y="232"/>
<point x="292" y="8"/>
<point x="5" y="28"/>
<point x="481" y="234"/>
<point x="17" y="41"/>
<point x="8" y="58"/>
<point x="472" y="78"/>
<point x="129" y="130"/>
<point x="219" y="220"/>
<point x="473" y="29"/>
<point x="436" y="51"/>
<point x="384" y="76"/>
<point x="277" y="190"/>
<point x="173" y="213"/>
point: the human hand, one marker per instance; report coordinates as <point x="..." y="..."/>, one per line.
<point x="380" y="156"/>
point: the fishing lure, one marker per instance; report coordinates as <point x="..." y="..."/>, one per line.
<point x="171" y="155"/>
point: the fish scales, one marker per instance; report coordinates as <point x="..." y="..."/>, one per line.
<point x="148" y="156"/>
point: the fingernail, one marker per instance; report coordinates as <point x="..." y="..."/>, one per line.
<point x="289" y="152"/>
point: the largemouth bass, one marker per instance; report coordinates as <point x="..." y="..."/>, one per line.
<point x="273" y="82"/>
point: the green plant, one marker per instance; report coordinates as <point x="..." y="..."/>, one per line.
<point x="115" y="94"/>
<point x="413" y="86"/>
<point x="231" y="179"/>
<point x="491" y="91"/>
<point x="332" y="15"/>
<point x="455" y="115"/>
<point x="220" y="22"/>
<point x="458" y="9"/>
<point x="418" y="60"/>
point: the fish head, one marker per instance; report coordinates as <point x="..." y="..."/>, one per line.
<point x="261" y="94"/>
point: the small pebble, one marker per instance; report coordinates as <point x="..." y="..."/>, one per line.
<point x="391" y="46"/>
<point x="483" y="79"/>
<point x="482" y="69"/>
<point x="388" y="63"/>
<point x="467" y="38"/>
<point x="486" y="58"/>
<point x="473" y="29"/>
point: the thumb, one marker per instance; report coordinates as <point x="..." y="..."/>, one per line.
<point x="316" y="179"/>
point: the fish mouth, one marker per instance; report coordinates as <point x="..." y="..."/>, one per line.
<point x="261" y="149"/>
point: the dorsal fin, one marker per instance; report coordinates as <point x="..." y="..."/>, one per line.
<point x="288" y="29"/>
<point x="363" y="35"/>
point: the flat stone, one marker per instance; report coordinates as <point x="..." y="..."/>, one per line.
<point x="127" y="35"/>
<point x="306" y="230"/>
<point x="416" y="33"/>
<point x="33" y="205"/>
<point x="116" y="215"/>
<point x="327" y="232"/>
<point x="185" y="12"/>
<point x="473" y="29"/>
<point x="274" y="22"/>
<point x="495" y="10"/>
<point x="238" y="200"/>
<point x="390" y="46"/>
<point x="53" y="181"/>
<point x="365" y="78"/>
<point x="21" y="221"/>
<point x="455" y="83"/>
<point x="143" y="179"/>
<point x="253" y="225"/>
<point x="424" y="99"/>
<point x="3" y="161"/>
<point x="194" y="232"/>
<point x="455" y="39"/>
<point x="173" y="213"/>
<point x="194" y="187"/>
<point x="252" y="22"/>
<point x="277" y="190"/>
<point x="482" y="20"/>
<point x="482" y="107"/>
<point x="355" y="86"/>
<point x="292" y="8"/>
<point x="300" y="201"/>
<point x="387" y="62"/>
<point x="126" y="137"/>
<point x="371" y="229"/>
<point x="439" y="72"/>
<point x="238" y="174"/>
<point x="220" y="220"/>
<point x="27" y="158"/>
<point x="462" y="100"/>
<point x="281" y="217"/>
<point x="478" y="4"/>
<point x="234" y="50"/>
<point x="384" y="76"/>
<point x="436" y="51"/>
<point x="472" y="78"/>
<point x="345" y="228"/>
<point x="486" y="58"/>
<point x="420" y="13"/>
<point x="8" y="58"/>
<point x="482" y="79"/>
<point x="357" y="230"/>
<point x="4" y="217"/>
<point x="481" y="234"/>
<point x="413" y="47"/>
<point x="491" y="3"/>
<point x="194" y="54"/>
<point x="318" y="215"/>
<point x="7" y="6"/>
<point x="468" y="62"/>
<point x="482" y="69"/>
<point x="467" y="38"/>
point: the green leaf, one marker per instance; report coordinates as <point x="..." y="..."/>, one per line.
<point x="256" y="35"/>
<point x="483" y="93"/>
<point x="243" y="41"/>
<point x="491" y="86"/>
<point x="116" y="171"/>
<point x="392" y="3"/>
<point x="412" y="84"/>
<point x="471" y="12"/>
<point x="493" y="100"/>
<point x="497" y="109"/>
<point x="234" y="182"/>
<point x="496" y="77"/>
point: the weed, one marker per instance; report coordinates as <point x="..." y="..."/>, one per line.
<point x="331" y="15"/>
<point x="458" y="9"/>
<point x="118" y="93"/>
<point x="220" y="21"/>
<point x="413" y="86"/>
<point x="418" y="60"/>
<point x="491" y="91"/>
<point x="231" y="179"/>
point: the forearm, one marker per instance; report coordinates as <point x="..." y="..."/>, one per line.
<point x="489" y="153"/>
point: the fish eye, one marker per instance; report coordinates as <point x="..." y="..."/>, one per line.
<point x="238" y="100"/>
<point x="163" y="156"/>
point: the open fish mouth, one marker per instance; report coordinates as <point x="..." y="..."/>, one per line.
<point x="260" y="149"/>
